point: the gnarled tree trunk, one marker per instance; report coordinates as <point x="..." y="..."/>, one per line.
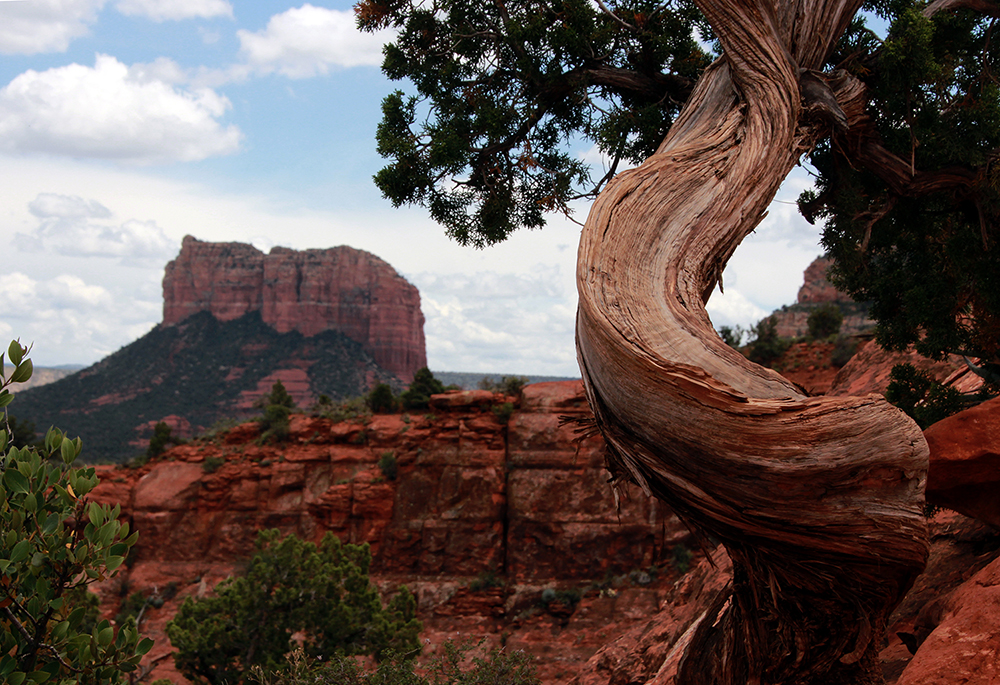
<point x="817" y="500"/>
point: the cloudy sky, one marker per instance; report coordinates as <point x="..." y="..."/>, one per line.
<point x="127" y="124"/>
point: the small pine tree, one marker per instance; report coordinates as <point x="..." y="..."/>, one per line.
<point x="424" y="384"/>
<point x="159" y="441"/>
<point x="381" y="400"/>
<point x="279" y="396"/>
<point x="278" y="406"/>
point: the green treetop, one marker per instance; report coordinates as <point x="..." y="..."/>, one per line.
<point x="291" y="586"/>
<point x="501" y="92"/>
<point x="501" y="88"/>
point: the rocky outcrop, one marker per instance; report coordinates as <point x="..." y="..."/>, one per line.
<point x="964" y="472"/>
<point x="340" y="289"/>
<point x="484" y="513"/>
<point x="945" y="632"/>
<point x="194" y="374"/>
<point x="816" y="287"/>
<point x="964" y="646"/>
<point x="792" y="321"/>
<point x="868" y="371"/>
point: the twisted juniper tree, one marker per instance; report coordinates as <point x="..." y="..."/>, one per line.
<point x="817" y="500"/>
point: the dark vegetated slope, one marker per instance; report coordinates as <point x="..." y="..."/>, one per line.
<point x="201" y="369"/>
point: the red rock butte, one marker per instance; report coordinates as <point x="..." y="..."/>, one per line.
<point x="310" y="291"/>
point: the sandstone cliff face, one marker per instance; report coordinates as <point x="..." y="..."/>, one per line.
<point x="473" y="496"/>
<point x="311" y="291"/>
<point x="524" y="501"/>
<point x="817" y="290"/>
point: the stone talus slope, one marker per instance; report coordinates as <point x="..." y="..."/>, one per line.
<point x="341" y="288"/>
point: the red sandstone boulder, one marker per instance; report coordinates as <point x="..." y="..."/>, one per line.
<point x="868" y="371"/>
<point x="459" y="399"/>
<point x="965" y="646"/>
<point x="964" y="472"/>
<point x="341" y="288"/>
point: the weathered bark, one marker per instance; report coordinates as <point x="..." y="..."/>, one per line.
<point x="817" y="500"/>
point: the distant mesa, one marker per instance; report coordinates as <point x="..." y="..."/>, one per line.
<point x="791" y="321"/>
<point x="333" y="322"/>
<point x="338" y="289"/>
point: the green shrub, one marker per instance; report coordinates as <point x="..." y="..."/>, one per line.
<point x="349" y="410"/>
<point x="212" y="464"/>
<point x="388" y="465"/>
<point x="162" y="436"/>
<point x="48" y="557"/>
<point x="569" y="597"/>
<point x="733" y="335"/>
<point x="507" y="385"/>
<point x="424" y="384"/>
<point x="824" y="321"/>
<point x="503" y="412"/>
<point x="681" y="558"/>
<point x="274" y="424"/>
<point x="766" y="346"/>
<point x="291" y="586"/>
<point x="381" y="399"/>
<point x="487" y="580"/>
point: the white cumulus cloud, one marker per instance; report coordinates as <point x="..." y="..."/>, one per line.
<point x="39" y="26"/>
<point x="76" y="227"/>
<point x="167" y="10"/>
<point x="106" y="112"/>
<point x="66" y="313"/>
<point x="307" y="41"/>
<point x="499" y="322"/>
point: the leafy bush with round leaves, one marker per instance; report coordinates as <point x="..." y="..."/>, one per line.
<point x="53" y="543"/>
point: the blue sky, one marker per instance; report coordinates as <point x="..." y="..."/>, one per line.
<point x="127" y="124"/>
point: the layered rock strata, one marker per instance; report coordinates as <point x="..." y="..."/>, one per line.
<point x="484" y="515"/>
<point x="341" y="289"/>
<point x="475" y="498"/>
